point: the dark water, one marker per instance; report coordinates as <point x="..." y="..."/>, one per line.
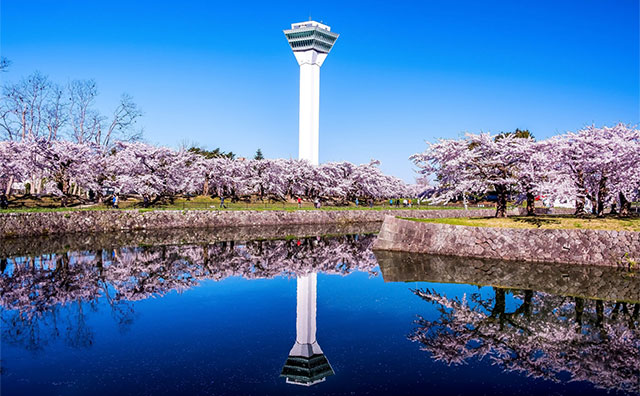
<point x="213" y="312"/>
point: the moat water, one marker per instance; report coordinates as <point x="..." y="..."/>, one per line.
<point x="216" y="312"/>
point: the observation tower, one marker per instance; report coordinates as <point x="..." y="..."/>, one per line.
<point x="311" y="42"/>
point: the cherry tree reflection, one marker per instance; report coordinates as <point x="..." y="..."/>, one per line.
<point x="542" y="336"/>
<point x="47" y="297"/>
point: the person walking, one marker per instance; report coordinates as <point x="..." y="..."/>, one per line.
<point x="391" y="202"/>
<point x="222" y="205"/>
<point x="115" y="201"/>
<point x="357" y="202"/>
<point x="299" y="202"/>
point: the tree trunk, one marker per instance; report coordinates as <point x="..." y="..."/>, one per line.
<point x="599" y="313"/>
<point x="38" y="186"/>
<point x="625" y="205"/>
<point x="65" y="187"/>
<point x="205" y="187"/>
<point x="580" y="197"/>
<point x="33" y="187"/>
<point x="528" y="297"/>
<point x="594" y="205"/>
<point x="500" y="306"/>
<point x="579" y="206"/>
<point x="602" y="194"/>
<point x="8" y="190"/>
<point x="531" y="204"/>
<point x="525" y="308"/>
<point x="579" y="313"/>
<point x="501" y="206"/>
<point x="500" y="302"/>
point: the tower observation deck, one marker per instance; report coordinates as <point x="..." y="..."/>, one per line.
<point x="311" y="42"/>
<point x="311" y="35"/>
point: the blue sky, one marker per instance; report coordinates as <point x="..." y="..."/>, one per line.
<point x="221" y="74"/>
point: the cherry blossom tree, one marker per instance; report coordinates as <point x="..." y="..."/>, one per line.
<point x="153" y="171"/>
<point x="266" y="178"/>
<point x="598" y="164"/>
<point x="225" y="176"/>
<point x="280" y="179"/>
<point x="55" y="165"/>
<point x="369" y="182"/>
<point x="476" y="164"/>
<point x="65" y="164"/>
<point x="15" y="165"/>
<point x="601" y="164"/>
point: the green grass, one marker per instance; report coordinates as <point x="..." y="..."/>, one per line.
<point x="544" y="222"/>
<point x="48" y="204"/>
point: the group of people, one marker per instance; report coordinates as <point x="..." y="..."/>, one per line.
<point x="405" y="203"/>
<point x="316" y="202"/>
<point x="369" y="202"/>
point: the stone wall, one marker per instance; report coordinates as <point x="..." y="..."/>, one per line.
<point x="24" y="224"/>
<point x="591" y="247"/>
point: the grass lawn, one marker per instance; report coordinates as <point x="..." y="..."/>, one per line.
<point x="49" y="204"/>
<point x="545" y="222"/>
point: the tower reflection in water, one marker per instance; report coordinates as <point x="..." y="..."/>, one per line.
<point x="306" y="364"/>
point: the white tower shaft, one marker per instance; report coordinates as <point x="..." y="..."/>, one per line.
<point x="309" y="122"/>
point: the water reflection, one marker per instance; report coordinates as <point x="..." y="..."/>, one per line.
<point x="575" y="333"/>
<point x="541" y="336"/>
<point x="603" y="283"/>
<point x="306" y="365"/>
<point x="557" y="323"/>
<point x="44" y="297"/>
